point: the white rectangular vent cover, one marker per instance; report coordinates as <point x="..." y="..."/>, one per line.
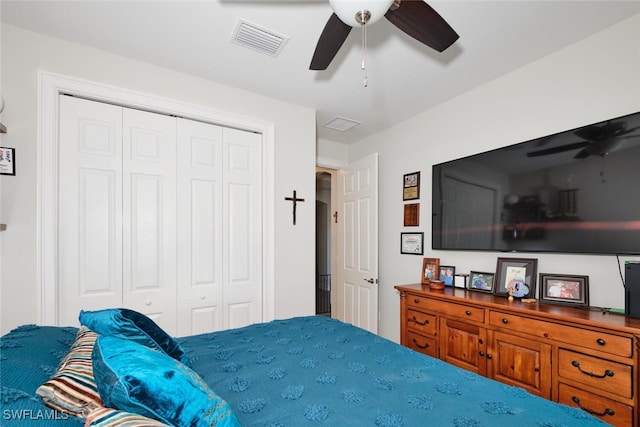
<point x="258" y="38"/>
<point x="342" y="124"/>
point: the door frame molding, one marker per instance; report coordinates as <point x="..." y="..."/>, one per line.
<point x="50" y="87"/>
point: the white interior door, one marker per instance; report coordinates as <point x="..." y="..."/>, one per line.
<point x="149" y="215"/>
<point x="356" y="292"/>
<point x="89" y="253"/>
<point x="219" y="228"/>
<point x="160" y="215"/>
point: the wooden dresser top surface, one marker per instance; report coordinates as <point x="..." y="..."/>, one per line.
<point x="588" y="316"/>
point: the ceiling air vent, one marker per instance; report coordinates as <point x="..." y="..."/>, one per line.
<point x="342" y="124"/>
<point x="258" y="38"/>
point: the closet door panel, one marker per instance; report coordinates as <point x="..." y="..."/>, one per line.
<point x="149" y="218"/>
<point x="243" y="215"/>
<point x="200" y="227"/>
<point x="89" y="205"/>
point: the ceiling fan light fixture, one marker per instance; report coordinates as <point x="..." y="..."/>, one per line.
<point x="354" y="12"/>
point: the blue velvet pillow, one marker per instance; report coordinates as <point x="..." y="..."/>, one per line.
<point x="137" y="379"/>
<point x="131" y="325"/>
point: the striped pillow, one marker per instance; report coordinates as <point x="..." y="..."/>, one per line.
<point x="108" y="417"/>
<point x="72" y="390"/>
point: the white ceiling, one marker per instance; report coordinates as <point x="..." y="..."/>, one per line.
<point x="405" y="77"/>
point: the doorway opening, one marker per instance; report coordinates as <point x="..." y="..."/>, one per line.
<point x="323" y="242"/>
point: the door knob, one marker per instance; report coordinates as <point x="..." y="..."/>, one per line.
<point x="369" y="280"/>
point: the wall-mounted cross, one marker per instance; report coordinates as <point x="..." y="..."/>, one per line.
<point x="295" y="201"/>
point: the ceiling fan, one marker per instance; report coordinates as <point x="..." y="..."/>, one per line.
<point x="414" y="17"/>
<point x="598" y="141"/>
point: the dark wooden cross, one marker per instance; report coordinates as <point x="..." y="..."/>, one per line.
<point x="295" y="201"/>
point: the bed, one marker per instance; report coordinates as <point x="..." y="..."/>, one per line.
<point x="295" y="372"/>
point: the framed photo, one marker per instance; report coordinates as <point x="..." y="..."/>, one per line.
<point x="516" y="277"/>
<point x="460" y="281"/>
<point x="447" y="274"/>
<point x="411" y="243"/>
<point x="7" y="161"/>
<point x="564" y="289"/>
<point x="412" y="214"/>
<point x="411" y="186"/>
<point x="481" y="281"/>
<point x="430" y="270"/>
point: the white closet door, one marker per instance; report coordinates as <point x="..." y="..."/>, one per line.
<point x="219" y="217"/>
<point x="149" y="215"/>
<point x="160" y="215"/>
<point x="242" y="216"/>
<point x="89" y="207"/>
<point x="200" y="227"/>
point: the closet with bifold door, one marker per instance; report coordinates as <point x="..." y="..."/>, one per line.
<point x="158" y="214"/>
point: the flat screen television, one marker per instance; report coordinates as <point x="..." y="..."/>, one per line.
<point x="572" y="192"/>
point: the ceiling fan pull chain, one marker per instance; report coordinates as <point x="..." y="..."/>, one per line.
<point x="364" y="54"/>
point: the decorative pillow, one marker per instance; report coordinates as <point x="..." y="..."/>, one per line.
<point x="72" y="389"/>
<point x="109" y="417"/>
<point x="131" y="325"/>
<point x="137" y="379"/>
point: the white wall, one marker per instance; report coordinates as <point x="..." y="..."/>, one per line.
<point x="24" y="53"/>
<point x="593" y="80"/>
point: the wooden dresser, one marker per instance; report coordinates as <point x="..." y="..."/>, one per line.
<point x="575" y="356"/>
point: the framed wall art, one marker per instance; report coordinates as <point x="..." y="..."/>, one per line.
<point x="411" y="186"/>
<point x="7" y="161"/>
<point x="412" y="214"/>
<point x="516" y="277"/>
<point x="564" y="289"/>
<point x="412" y="243"/>
<point x="430" y="270"/>
<point x="481" y="281"/>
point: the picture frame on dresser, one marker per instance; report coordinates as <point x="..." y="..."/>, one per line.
<point x="481" y="281"/>
<point x="447" y="274"/>
<point x="564" y="289"/>
<point x="516" y="277"/>
<point x="430" y="270"/>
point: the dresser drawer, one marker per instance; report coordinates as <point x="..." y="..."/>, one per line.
<point x="448" y="308"/>
<point x="608" y="410"/>
<point x="600" y="341"/>
<point x="421" y="322"/>
<point x="600" y="373"/>
<point x="422" y="344"/>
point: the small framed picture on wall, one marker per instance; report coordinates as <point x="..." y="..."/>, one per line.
<point x="411" y="186"/>
<point x="411" y="243"/>
<point x="7" y="161"/>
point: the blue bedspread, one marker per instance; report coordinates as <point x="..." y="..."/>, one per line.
<point x="308" y="371"/>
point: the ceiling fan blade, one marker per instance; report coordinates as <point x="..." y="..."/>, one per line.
<point x="560" y="149"/>
<point x="423" y="23"/>
<point x="608" y="130"/>
<point x="582" y="154"/>
<point x="333" y="36"/>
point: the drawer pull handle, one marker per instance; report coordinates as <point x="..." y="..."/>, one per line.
<point x="505" y="320"/>
<point x="416" y="300"/>
<point x="600" y="341"/>
<point x="426" y="322"/>
<point x="468" y="313"/>
<point x="482" y="354"/>
<point x="426" y="345"/>
<point x="607" y="373"/>
<point x="489" y="356"/>
<point x="591" y="411"/>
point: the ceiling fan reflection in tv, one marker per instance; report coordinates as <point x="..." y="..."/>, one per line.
<point x="598" y="140"/>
